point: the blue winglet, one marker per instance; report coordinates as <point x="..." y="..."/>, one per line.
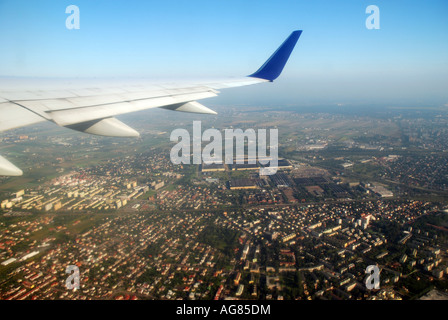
<point x="273" y="67"/>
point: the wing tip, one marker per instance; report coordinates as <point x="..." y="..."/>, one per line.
<point x="273" y="67"/>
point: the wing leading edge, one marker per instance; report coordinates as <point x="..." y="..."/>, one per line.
<point x="92" y="108"/>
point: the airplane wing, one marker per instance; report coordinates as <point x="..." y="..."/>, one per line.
<point x="91" y="108"/>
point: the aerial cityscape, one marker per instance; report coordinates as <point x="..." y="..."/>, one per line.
<point x="223" y="158"/>
<point x="353" y="189"/>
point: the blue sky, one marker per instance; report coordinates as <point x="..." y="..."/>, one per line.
<point x="337" y="60"/>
